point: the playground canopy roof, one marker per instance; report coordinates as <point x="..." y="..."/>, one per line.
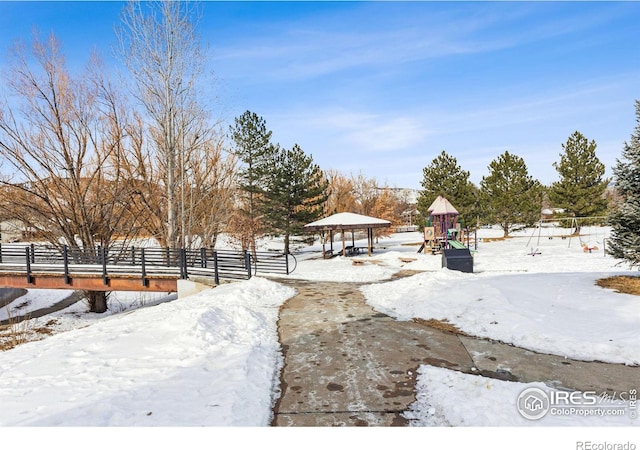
<point x="347" y="221"/>
<point x="441" y="207"/>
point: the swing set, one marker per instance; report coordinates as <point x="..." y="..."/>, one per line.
<point x="575" y="229"/>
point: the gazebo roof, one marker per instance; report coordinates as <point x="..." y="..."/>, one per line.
<point x="347" y="221"/>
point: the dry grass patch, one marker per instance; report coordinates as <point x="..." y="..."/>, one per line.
<point x="46" y="329"/>
<point x="13" y="335"/>
<point x="442" y="325"/>
<point x="622" y="284"/>
<point x="496" y="239"/>
<point x="407" y="260"/>
<point x="362" y="262"/>
<point x="18" y="332"/>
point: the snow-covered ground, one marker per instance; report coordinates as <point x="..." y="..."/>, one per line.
<point x="564" y="314"/>
<point x="213" y="359"/>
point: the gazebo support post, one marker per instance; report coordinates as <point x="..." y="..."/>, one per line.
<point x="370" y="240"/>
<point x="344" y="249"/>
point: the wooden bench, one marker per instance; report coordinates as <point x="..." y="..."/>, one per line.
<point x="354" y="250"/>
<point x="328" y="254"/>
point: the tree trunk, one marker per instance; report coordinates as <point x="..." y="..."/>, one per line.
<point x="286" y="243"/>
<point x="97" y="301"/>
<point x="172" y="210"/>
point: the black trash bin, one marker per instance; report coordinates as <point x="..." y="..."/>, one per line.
<point x="457" y="259"/>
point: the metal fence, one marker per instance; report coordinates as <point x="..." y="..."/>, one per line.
<point x="141" y="261"/>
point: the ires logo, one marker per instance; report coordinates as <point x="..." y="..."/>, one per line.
<point x="535" y="403"/>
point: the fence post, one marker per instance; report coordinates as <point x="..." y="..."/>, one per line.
<point x="65" y="259"/>
<point x="215" y="267"/>
<point x="183" y="263"/>
<point x="33" y="253"/>
<point x="247" y="262"/>
<point x="103" y="257"/>
<point x="168" y="251"/>
<point x="286" y="262"/>
<point x="133" y="256"/>
<point x="28" y="257"/>
<point x="203" y="258"/>
<point x="145" y="282"/>
<point x="0" y="252"/>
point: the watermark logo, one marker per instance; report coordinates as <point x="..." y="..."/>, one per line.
<point x="533" y="403"/>
<point x="590" y="445"/>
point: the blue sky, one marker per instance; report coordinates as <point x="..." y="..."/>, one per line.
<point x="383" y="87"/>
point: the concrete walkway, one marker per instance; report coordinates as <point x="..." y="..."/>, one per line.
<point x="348" y="365"/>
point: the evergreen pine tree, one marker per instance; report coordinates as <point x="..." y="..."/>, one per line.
<point x="255" y="151"/>
<point x="625" y="217"/>
<point x="446" y="178"/>
<point x="510" y="196"/>
<point x="295" y="193"/>
<point x="580" y="190"/>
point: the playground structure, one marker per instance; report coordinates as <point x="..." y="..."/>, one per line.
<point x="443" y="231"/>
<point x="591" y="238"/>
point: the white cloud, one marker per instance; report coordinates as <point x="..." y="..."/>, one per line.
<point x="315" y="47"/>
<point x="367" y="132"/>
<point x="375" y="35"/>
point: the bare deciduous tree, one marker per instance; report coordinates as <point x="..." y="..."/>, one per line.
<point x="365" y="191"/>
<point x="62" y="138"/>
<point x="341" y="197"/>
<point x="160" y="48"/>
<point x="207" y="192"/>
<point x="204" y="198"/>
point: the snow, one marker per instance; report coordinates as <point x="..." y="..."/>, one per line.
<point x="32" y="301"/>
<point x="210" y="359"/>
<point x="449" y="398"/>
<point x="548" y="303"/>
<point x="347" y="219"/>
<point x="380" y="266"/>
<point x="213" y="359"/>
<point x="565" y="314"/>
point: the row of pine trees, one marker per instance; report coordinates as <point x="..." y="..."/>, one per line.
<point x="510" y="197"/>
<point x="282" y="189"/>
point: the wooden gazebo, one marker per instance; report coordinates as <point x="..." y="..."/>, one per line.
<point x="347" y="221"/>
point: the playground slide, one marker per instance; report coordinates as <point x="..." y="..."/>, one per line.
<point x="457" y="244"/>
